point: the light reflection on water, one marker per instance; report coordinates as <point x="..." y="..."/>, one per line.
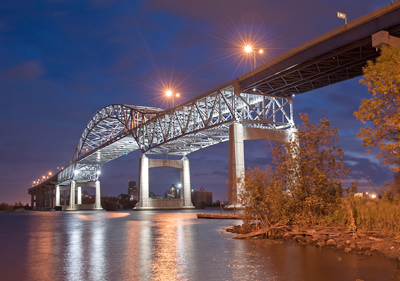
<point x="161" y="246"/>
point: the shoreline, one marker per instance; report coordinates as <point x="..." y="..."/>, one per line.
<point x="361" y="242"/>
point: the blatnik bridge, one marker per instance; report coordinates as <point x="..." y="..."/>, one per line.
<point x="256" y="105"/>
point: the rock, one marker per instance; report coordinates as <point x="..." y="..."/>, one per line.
<point x="310" y="231"/>
<point x="330" y="242"/>
<point x="299" y="238"/>
<point x="341" y="243"/>
<point x="367" y="253"/>
<point x="286" y="235"/>
<point x="347" y="249"/>
<point x="324" y="237"/>
<point x="352" y="245"/>
<point x="316" y="235"/>
<point x="359" y="280"/>
<point x="321" y="243"/>
<point x="354" y="236"/>
<point x="348" y="241"/>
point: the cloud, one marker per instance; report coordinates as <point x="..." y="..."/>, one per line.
<point x="364" y="168"/>
<point x="29" y="70"/>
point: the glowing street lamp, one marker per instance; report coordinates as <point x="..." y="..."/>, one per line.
<point x="342" y="16"/>
<point x="169" y="93"/>
<point x="249" y="49"/>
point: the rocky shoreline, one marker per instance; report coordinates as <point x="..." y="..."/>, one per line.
<point x="361" y="242"/>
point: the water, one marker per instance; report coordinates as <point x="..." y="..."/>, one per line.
<point x="154" y="245"/>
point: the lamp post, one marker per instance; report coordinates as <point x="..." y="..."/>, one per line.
<point x="249" y="49"/>
<point x="342" y="16"/>
<point x="169" y="93"/>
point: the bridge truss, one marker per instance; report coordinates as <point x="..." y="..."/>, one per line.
<point x="120" y="129"/>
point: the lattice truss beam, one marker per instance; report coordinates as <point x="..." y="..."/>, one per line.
<point x="107" y="136"/>
<point x="80" y="173"/>
<point x="205" y="121"/>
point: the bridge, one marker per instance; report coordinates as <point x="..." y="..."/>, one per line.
<point x="256" y="105"/>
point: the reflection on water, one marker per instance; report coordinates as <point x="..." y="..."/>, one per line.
<point x="97" y="250"/>
<point x="40" y="249"/>
<point x="161" y="246"/>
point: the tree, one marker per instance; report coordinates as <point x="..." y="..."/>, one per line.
<point x="381" y="111"/>
<point x="305" y="181"/>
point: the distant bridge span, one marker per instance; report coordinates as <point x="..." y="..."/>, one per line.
<point x="256" y="105"/>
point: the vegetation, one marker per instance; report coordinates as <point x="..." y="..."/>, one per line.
<point x="304" y="185"/>
<point x="381" y="111"/>
<point x="4" y="207"/>
<point x="304" y="188"/>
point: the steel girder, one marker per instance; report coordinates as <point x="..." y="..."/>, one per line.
<point x="330" y="67"/>
<point x="205" y="121"/>
<point x="118" y="129"/>
<point x="106" y="137"/>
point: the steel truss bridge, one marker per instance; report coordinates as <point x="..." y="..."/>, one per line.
<point x="259" y="99"/>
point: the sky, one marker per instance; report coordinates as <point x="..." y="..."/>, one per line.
<point x="61" y="61"/>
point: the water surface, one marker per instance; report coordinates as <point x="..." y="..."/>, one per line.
<point x="155" y="245"/>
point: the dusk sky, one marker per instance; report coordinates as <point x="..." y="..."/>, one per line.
<point x="62" y="61"/>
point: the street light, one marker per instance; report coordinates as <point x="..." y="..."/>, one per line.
<point x="249" y="49"/>
<point x="342" y="16"/>
<point x="169" y="93"/>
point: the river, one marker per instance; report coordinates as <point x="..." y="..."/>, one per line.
<point x="155" y="245"/>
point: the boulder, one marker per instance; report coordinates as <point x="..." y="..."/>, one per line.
<point x="347" y="249"/>
<point x="330" y="242"/>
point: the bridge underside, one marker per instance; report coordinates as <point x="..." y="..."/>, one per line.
<point x="334" y="57"/>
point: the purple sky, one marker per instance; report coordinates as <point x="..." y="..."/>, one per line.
<point x="62" y="61"/>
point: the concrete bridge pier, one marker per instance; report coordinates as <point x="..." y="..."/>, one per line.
<point x="79" y="195"/>
<point x="237" y="135"/>
<point x="57" y="195"/>
<point x="97" y="204"/>
<point x="72" y="196"/>
<point x="184" y="202"/>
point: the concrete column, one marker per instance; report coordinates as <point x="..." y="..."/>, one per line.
<point x="143" y="181"/>
<point x="79" y="195"/>
<point x="72" y="196"/>
<point x="97" y="204"/>
<point x="236" y="163"/>
<point x="58" y="195"/>
<point x="186" y="188"/>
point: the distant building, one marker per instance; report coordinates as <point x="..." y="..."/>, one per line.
<point x="133" y="191"/>
<point x="173" y="192"/>
<point x="202" y="196"/>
